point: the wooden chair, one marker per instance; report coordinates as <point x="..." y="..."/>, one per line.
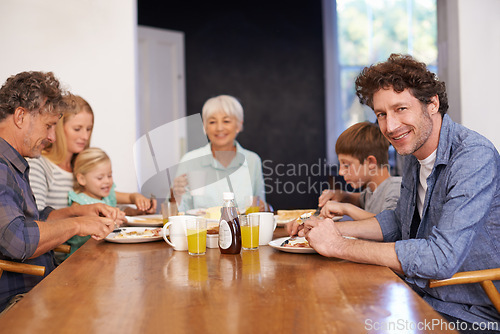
<point x="30" y="269"/>
<point x="483" y="277"/>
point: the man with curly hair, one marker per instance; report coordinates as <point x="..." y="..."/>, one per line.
<point x="30" y="106"/>
<point x="448" y="216"/>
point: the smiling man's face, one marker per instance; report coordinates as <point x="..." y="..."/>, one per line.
<point x="404" y="121"/>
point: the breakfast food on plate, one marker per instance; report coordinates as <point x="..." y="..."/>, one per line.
<point x="214" y="229"/>
<point x="213" y="212"/>
<point x="289" y="215"/>
<point x="146" y="233"/>
<point x="298" y="242"/>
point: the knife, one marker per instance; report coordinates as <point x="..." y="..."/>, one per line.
<point x="317" y="212"/>
<point x="287" y="241"/>
<point x="153" y="197"/>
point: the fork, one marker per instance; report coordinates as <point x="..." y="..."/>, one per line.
<point x="151" y="199"/>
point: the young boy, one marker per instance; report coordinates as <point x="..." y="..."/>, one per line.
<point x="363" y="155"/>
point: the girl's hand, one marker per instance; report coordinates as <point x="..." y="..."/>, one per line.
<point x="143" y="203"/>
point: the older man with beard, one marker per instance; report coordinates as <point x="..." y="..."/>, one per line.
<point x="30" y="106"/>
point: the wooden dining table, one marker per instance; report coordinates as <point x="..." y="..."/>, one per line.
<point x="107" y="287"/>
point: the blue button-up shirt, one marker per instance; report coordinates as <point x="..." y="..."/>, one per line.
<point x="19" y="234"/>
<point x="460" y="225"/>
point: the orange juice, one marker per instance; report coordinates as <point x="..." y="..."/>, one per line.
<point x="252" y="209"/>
<point x="250" y="237"/>
<point x="197" y="241"/>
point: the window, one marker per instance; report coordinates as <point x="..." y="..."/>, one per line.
<point x="359" y="33"/>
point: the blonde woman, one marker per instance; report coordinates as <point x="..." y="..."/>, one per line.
<point x="51" y="175"/>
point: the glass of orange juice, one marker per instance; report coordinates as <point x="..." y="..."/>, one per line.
<point x="252" y="204"/>
<point x="196" y="231"/>
<point x="249" y="231"/>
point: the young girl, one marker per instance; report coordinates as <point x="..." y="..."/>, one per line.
<point x="93" y="183"/>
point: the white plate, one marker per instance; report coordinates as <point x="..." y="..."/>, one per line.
<point x="276" y="243"/>
<point x="283" y="222"/>
<point x="145" y="220"/>
<point x="131" y="240"/>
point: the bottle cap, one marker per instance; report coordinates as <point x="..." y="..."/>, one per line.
<point x="227" y="196"/>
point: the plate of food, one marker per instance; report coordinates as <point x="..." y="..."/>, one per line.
<point x="292" y="245"/>
<point x="196" y="212"/>
<point x="145" y="220"/>
<point x="209" y="213"/>
<point x="130" y="235"/>
<point x="284" y="217"/>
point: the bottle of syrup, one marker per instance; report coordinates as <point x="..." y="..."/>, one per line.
<point x="229" y="226"/>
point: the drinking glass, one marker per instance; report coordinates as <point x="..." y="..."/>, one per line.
<point x="249" y="231"/>
<point x="168" y="209"/>
<point x="196" y="230"/>
<point x="252" y="204"/>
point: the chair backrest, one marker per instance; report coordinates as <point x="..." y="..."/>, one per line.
<point x="21" y="268"/>
<point x="484" y="277"/>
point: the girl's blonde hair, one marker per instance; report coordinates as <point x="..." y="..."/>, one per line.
<point x="85" y="161"/>
<point x="57" y="151"/>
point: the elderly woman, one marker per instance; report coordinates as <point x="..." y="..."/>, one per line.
<point x="222" y="165"/>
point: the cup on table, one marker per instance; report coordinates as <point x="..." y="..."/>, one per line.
<point x="196" y="182"/>
<point x="196" y="230"/>
<point x="249" y="225"/>
<point x="177" y="232"/>
<point x="267" y="225"/>
<point x="168" y="209"/>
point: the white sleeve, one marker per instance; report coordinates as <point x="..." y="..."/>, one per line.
<point x="39" y="181"/>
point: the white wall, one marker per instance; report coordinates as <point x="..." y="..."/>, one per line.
<point x="90" y="46"/>
<point x="479" y="43"/>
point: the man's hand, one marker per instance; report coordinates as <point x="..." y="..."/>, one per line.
<point x="295" y="228"/>
<point x="101" y="210"/>
<point x="97" y="227"/>
<point x="299" y="228"/>
<point x="324" y="237"/>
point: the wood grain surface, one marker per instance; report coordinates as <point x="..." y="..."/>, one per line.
<point x="150" y="288"/>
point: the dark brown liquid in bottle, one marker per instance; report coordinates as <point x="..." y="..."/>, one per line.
<point x="229" y="215"/>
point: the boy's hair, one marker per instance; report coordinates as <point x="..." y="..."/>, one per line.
<point x="85" y="161"/>
<point x="362" y="140"/>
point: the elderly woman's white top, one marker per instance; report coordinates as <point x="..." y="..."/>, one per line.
<point x="243" y="176"/>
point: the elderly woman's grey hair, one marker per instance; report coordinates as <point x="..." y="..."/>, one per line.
<point x="226" y="103"/>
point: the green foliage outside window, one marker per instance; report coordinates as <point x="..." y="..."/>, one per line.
<point x="370" y="30"/>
